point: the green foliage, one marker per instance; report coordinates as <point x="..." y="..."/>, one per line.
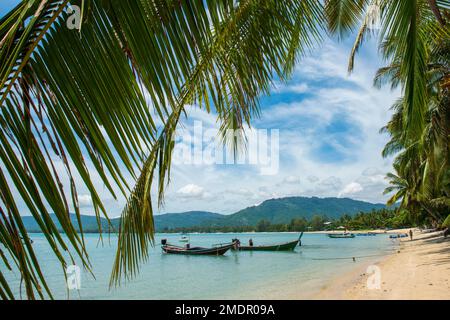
<point x="375" y="219"/>
<point x="446" y="223"/>
<point x="414" y="40"/>
<point x="422" y="164"/>
<point x="292" y="212"/>
<point x="101" y="90"/>
<point x="263" y="226"/>
<point x="284" y="210"/>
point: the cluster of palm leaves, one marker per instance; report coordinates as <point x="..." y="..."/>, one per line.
<point x="103" y="102"/>
<point x="414" y="38"/>
<point x="375" y="219"/>
<point x="420" y="134"/>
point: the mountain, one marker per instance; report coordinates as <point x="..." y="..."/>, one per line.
<point x="285" y="209"/>
<point x="276" y="211"/>
<point x="89" y="223"/>
<point x="187" y="219"/>
<point x="162" y="222"/>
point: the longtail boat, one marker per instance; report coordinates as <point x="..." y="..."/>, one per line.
<point x="184" y="238"/>
<point x="396" y="236"/>
<point x="196" y="251"/>
<point x="368" y="234"/>
<point x="287" y="246"/>
<point x="341" y="235"/>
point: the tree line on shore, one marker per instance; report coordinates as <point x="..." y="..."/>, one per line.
<point x="61" y="122"/>
<point x="375" y="219"/>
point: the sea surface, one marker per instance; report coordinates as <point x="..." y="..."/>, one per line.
<point x="237" y="275"/>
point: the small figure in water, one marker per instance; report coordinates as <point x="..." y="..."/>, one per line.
<point x="410" y="234"/>
<point x="237" y="243"/>
<point x="250" y="243"/>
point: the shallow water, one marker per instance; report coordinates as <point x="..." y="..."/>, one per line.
<point x="241" y="275"/>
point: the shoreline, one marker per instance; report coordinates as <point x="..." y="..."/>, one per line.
<point x="377" y="231"/>
<point x="420" y="269"/>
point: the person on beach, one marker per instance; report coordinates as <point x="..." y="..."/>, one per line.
<point x="410" y="234"/>
<point x="250" y="242"/>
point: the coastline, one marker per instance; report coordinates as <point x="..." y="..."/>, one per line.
<point x="420" y="269"/>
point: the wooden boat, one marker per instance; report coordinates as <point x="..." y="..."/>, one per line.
<point x="428" y="230"/>
<point x="341" y="235"/>
<point x="184" y="238"/>
<point x="29" y="239"/>
<point x="196" y="251"/>
<point x="396" y="236"/>
<point x="287" y="246"/>
<point x="368" y="234"/>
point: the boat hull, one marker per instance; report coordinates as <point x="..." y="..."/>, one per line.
<point x="289" y="246"/>
<point x="197" y="251"/>
<point x="341" y="236"/>
<point x="398" y="236"/>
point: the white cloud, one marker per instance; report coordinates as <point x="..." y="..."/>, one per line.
<point x="292" y="180"/>
<point x="191" y="191"/>
<point x="308" y="124"/>
<point x="243" y="192"/>
<point x="309" y="127"/>
<point x="371" y="172"/>
<point x="85" y="200"/>
<point x="350" y="189"/>
<point x="291" y="88"/>
<point x="331" y="182"/>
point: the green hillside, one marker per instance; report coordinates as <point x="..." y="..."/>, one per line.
<point x="275" y="211"/>
<point x="89" y="223"/>
<point x="162" y="222"/>
<point x="187" y="219"/>
<point x="285" y="209"/>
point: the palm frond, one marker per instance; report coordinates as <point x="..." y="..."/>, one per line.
<point x="230" y="75"/>
<point x="114" y="91"/>
<point x="344" y="15"/>
<point x="402" y="25"/>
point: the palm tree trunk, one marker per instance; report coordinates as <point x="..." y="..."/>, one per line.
<point x="431" y="213"/>
<point x="437" y="13"/>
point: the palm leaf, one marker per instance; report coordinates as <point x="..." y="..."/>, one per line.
<point x="93" y="97"/>
<point x="344" y="15"/>
<point x="239" y="46"/>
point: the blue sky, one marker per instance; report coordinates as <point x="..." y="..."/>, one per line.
<point x="329" y="139"/>
<point x="7" y="5"/>
<point x="330" y="144"/>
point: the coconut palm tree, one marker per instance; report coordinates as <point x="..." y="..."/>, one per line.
<point x="405" y="192"/>
<point x="97" y="88"/>
<point x="404" y="29"/>
<point x="413" y="37"/>
<point x="424" y="162"/>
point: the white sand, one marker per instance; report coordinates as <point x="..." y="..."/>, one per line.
<point x="420" y="270"/>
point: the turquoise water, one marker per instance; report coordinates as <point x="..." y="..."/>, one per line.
<point x="240" y="275"/>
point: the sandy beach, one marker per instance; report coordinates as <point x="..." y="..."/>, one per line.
<point x="420" y="269"/>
